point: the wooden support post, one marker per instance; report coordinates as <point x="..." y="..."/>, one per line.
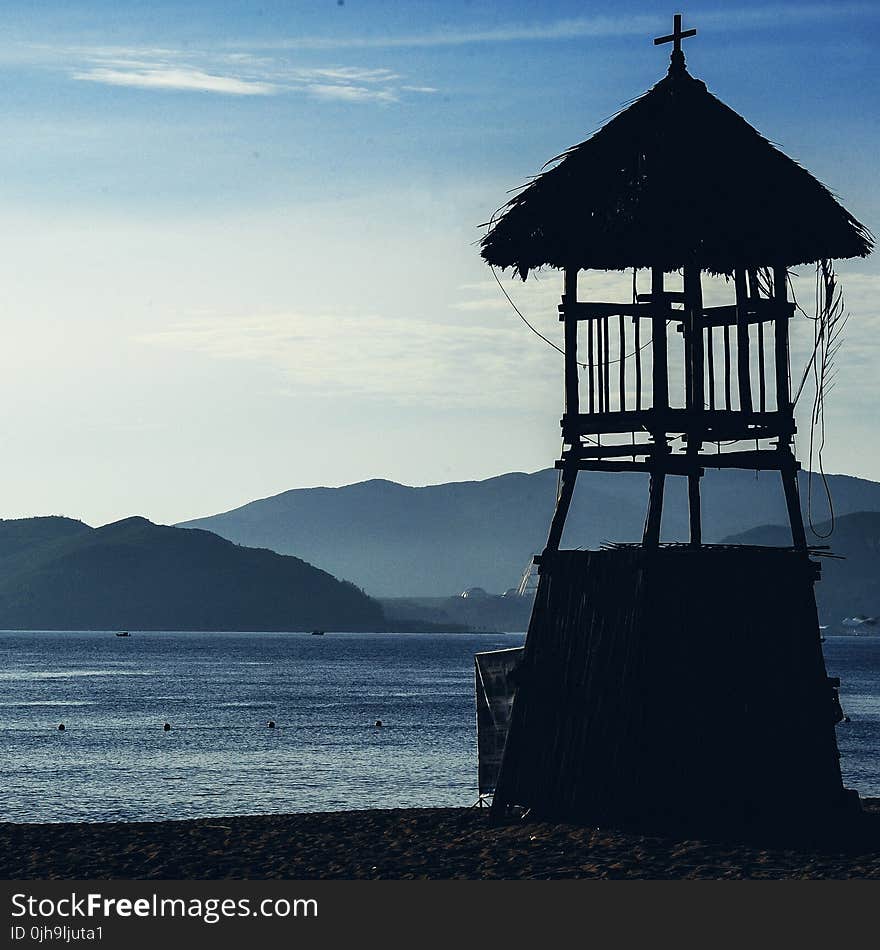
<point x="687" y="339"/>
<point x="658" y="344"/>
<point x="563" y="503"/>
<point x="788" y="469"/>
<point x="694" y="512"/>
<point x="780" y="324"/>
<point x="572" y="409"/>
<point x="743" y="356"/>
<point x="660" y="397"/>
<point x="621" y="363"/>
<point x="694" y="354"/>
<point x="651" y="537"/>
<point x="693" y="294"/>
<point x="572" y="400"/>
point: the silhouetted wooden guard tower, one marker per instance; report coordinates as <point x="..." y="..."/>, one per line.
<point x="679" y="679"/>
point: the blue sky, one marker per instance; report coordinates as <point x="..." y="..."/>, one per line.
<point x="238" y="252"/>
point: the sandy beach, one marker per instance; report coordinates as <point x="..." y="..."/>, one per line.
<point x="442" y="843"/>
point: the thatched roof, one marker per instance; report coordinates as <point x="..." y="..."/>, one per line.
<point x="676" y="177"/>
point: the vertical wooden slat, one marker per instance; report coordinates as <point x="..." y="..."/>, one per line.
<point x="726" y="366"/>
<point x="754" y="285"/>
<point x="780" y="324"/>
<point x="571" y="346"/>
<point x="637" y="334"/>
<point x="743" y="357"/>
<point x="710" y="354"/>
<point x="621" y="376"/>
<point x="606" y="357"/>
<point x="591" y="365"/>
<point x="600" y="372"/>
<point x="755" y="294"/>
<point x="762" y="382"/>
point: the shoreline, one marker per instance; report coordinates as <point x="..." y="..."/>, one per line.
<point x="424" y="843"/>
<point x="404" y="630"/>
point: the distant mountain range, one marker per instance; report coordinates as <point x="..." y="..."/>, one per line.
<point x="397" y="541"/>
<point x="850" y="584"/>
<point x="58" y="573"/>
<point x="412" y="546"/>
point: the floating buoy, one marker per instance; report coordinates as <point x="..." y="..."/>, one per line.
<point x="271" y="723"/>
<point x="167" y="727"/>
<point x="61" y="727"/>
<point x="378" y="723"/>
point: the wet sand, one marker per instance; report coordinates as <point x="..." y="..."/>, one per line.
<point x="433" y="843"/>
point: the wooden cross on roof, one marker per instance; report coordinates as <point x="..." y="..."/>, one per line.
<point x="675" y="37"/>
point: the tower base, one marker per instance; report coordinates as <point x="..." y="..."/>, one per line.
<point x="673" y="683"/>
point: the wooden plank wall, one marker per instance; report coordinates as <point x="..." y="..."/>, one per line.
<point x="672" y="683"/>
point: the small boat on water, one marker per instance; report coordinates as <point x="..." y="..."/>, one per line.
<point x="318" y="633"/>
<point x="123" y="633"/>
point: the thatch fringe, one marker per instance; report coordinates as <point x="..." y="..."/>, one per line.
<point x="677" y="177"/>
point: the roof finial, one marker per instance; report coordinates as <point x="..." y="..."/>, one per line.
<point x="675" y="37"/>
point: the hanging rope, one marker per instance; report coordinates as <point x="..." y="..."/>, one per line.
<point x="519" y="313"/>
<point x="556" y="346"/>
<point x="829" y="322"/>
<point x="516" y="309"/>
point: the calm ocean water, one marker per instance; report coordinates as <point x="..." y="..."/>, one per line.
<point x="114" y="762"/>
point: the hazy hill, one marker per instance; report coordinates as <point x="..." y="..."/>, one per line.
<point x="396" y="541"/>
<point x="59" y="573"/>
<point x="851" y="586"/>
<point x="492" y="612"/>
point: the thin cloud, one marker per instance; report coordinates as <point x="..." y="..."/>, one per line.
<point x="347" y="74"/>
<point x="401" y="361"/>
<point x="176" y="78"/>
<point x="238" y="74"/>
<point x="578" y="28"/>
<point x="344" y="93"/>
<point x="554" y="30"/>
